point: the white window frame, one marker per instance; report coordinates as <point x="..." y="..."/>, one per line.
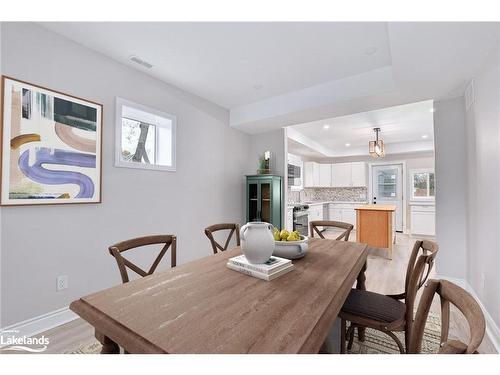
<point x="413" y="172"/>
<point x="119" y="162"/>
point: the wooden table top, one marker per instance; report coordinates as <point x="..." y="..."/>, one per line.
<point x="377" y="207"/>
<point x="204" y="307"/>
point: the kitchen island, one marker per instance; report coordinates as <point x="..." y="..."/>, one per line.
<point x="374" y="226"/>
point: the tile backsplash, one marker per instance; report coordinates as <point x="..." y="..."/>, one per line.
<point x="346" y="194"/>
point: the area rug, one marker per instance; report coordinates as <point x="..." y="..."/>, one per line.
<point x="375" y="342"/>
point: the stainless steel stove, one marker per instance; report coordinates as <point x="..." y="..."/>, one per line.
<point x="301" y="218"/>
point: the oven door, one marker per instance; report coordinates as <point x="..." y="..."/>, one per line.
<point x="301" y="222"/>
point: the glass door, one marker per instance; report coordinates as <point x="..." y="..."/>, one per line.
<point x="265" y="194"/>
<point x="253" y="201"/>
<point x="387" y="188"/>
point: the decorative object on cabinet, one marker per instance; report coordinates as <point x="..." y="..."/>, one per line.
<point x="43" y="127"/>
<point x="264" y="199"/>
<point x="265" y="163"/>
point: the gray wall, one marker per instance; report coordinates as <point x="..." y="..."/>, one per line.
<point x="449" y="142"/>
<point x="483" y="201"/>
<point x="40" y="243"/>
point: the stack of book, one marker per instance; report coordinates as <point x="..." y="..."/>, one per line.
<point x="270" y="270"/>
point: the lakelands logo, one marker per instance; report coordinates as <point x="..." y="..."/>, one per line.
<point x="10" y="340"/>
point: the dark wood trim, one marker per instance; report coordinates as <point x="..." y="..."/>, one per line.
<point x="4" y="77"/>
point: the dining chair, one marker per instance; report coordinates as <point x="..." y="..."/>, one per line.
<point x="209" y="231"/>
<point x="448" y="293"/>
<point x="117" y="249"/>
<point x="387" y="313"/>
<point x="313" y="225"/>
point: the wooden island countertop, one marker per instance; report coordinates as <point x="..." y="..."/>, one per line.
<point x="374" y="225"/>
<point x="377" y="207"/>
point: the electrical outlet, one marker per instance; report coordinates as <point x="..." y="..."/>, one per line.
<point x="62" y="282"/>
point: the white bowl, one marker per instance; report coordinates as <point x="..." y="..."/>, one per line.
<point x="291" y="249"/>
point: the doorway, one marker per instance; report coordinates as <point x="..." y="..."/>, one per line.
<point x="386" y="187"/>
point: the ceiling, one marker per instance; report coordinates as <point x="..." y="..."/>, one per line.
<point x="275" y="74"/>
<point x="233" y="64"/>
<point x="403" y="128"/>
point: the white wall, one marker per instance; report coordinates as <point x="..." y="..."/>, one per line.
<point x="483" y="188"/>
<point x="40" y="243"/>
<point x="449" y="141"/>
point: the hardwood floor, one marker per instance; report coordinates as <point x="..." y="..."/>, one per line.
<point x="383" y="276"/>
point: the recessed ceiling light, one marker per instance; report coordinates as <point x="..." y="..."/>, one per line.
<point x="326" y="127"/>
<point x="425" y="136"/>
<point x="347" y="144"/>
<point x="432" y="110"/>
<point x="371" y="50"/>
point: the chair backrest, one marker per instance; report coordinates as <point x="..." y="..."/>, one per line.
<point x="418" y="270"/>
<point x="313" y="227"/>
<point x="449" y="293"/>
<point x="233" y="228"/>
<point x="120" y="247"/>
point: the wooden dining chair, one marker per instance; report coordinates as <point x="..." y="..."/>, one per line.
<point x="387" y="313"/>
<point x="233" y="228"/>
<point x="116" y="250"/>
<point x="313" y="227"/>
<point x="449" y="293"/>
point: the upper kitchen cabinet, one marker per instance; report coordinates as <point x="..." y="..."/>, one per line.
<point x="341" y="174"/>
<point x="349" y="174"/>
<point x="325" y="175"/>
<point x="358" y="174"/>
<point x="334" y="175"/>
<point x="311" y="174"/>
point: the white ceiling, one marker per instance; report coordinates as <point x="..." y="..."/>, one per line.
<point x="227" y="63"/>
<point x="401" y="128"/>
<point x="271" y="75"/>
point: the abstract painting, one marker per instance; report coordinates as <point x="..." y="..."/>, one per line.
<point x="51" y="146"/>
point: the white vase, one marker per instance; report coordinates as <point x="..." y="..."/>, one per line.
<point x="257" y="241"/>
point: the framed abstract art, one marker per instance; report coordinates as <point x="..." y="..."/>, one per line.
<point x="51" y="146"/>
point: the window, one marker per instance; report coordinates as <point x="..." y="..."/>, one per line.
<point x="145" y="137"/>
<point x="423" y="184"/>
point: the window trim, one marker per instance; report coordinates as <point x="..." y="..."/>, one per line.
<point x="120" y="102"/>
<point x="412" y="173"/>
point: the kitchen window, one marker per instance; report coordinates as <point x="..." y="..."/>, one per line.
<point x="423" y="184"/>
<point x="145" y="137"/>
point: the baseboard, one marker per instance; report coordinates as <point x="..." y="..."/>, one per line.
<point x="42" y="323"/>
<point x="492" y="330"/>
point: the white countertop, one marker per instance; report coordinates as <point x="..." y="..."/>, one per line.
<point x="327" y="202"/>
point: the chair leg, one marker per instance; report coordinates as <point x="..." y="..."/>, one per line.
<point x="342" y="335"/>
<point x="350" y="334"/>
<point x="395" y="338"/>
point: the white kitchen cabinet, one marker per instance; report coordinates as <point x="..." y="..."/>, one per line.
<point x="349" y="216"/>
<point x="423" y="220"/>
<point x="358" y="174"/>
<point x="325" y="175"/>
<point x="311" y="174"/>
<point x="289" y="219"/>
<point x="349" y="174"/>
<point x="316" y="212"/>
<point x="335" y="214"/>
<point x="341" y="174"/>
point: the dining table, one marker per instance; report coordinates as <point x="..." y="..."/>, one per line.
<point x="204" y="307"/>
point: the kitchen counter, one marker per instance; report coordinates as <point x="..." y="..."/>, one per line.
<point x="328" y="202"/>
<point x="378" y="207"/>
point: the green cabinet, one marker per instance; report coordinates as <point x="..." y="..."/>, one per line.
<point x="264" y="199"/>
